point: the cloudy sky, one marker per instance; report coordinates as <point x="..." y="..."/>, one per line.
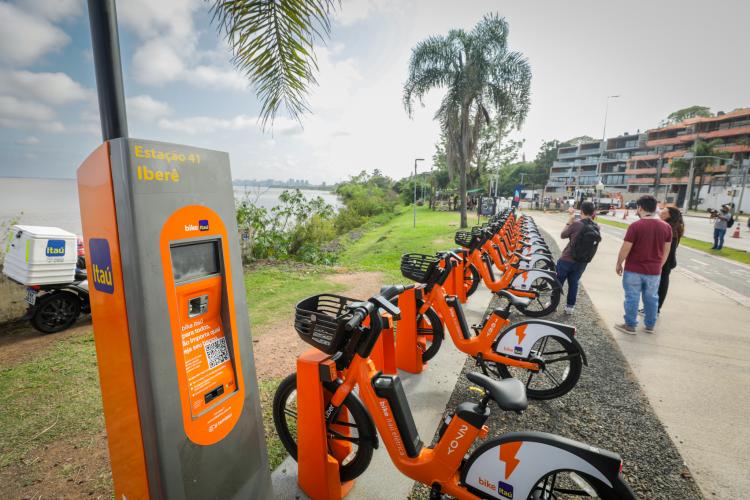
<point x="658" y="55"/>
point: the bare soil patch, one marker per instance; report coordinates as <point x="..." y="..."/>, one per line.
<point x="277" y="344"/>
<point x="19" y="342"/>
<point x="70" y="468"/>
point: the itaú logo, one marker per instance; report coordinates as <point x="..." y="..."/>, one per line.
<point x="101" y="265"/>
<point x="55" y="248"/>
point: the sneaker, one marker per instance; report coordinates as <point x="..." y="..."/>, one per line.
<point x="569" y="309"/>
<point x="625" y="328"/>
<point x="648" y="329"/>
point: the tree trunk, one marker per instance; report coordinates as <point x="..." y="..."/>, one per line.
<point x="462" y="194"/>
<point x="695" y="199"/>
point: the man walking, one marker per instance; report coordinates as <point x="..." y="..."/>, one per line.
<point x="720" y="226"/>
<point x="584" y="240"/>
<point x="644" y="251"/>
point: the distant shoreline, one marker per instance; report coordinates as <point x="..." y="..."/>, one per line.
<point x="235" y="183"/>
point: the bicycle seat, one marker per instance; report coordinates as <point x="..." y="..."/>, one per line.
<point x="390" y="291"/>
<point x="514" y="300"/>
<point x="509" y="394"/>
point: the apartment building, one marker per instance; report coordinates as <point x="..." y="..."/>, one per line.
<point x="634" y="164"/>
<point x="579" y="169"/>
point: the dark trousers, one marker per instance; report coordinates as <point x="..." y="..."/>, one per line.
<point x="571" y="272"/>
<point x="664" y="285"/>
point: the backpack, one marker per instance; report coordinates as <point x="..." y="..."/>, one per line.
<point x="730" y="222"/>
<point x="586" y="243"/>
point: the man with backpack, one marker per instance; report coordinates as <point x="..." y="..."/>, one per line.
<point x="724" y="220"/>
<point x="584" y="241"/>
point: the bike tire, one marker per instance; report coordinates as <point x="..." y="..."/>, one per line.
<point x="475" y="278"/>
<point x="437" y="331"/>
<point x="620" y="490"/>
<point x="55" y="312"/>
<point x="572" y="376"/>
<point x="361" y="422"/>
<point x="548" y="308"/>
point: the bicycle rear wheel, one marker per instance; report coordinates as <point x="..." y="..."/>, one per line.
<point x="546" y="301"/>
<point x="357" y="424"/>
<point x="561" y="365"/>
<point x="564" y="485"/>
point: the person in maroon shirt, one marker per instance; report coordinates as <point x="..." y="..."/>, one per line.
<point x="644" y="252"/>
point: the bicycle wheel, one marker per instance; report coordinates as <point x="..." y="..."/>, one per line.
<point x="357" y="423"/>
<point x="563" y="485"/>
<point x="430" y="330"/>
<point x="471" y="279"/>
<point x="561" y="365"/>
<point x="546" y="300"/>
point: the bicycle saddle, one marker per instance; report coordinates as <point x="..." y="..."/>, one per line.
<point x="509" y="394"/>
<point x="390" y="291"/>
<point x="514" y="300"/>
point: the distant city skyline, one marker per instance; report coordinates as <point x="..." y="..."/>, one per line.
<point x="182" y="88"/>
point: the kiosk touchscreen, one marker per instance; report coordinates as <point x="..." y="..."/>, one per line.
<point x="171" y="326"/>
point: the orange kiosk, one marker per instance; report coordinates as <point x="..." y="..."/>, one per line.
<point x="180" y="397"/>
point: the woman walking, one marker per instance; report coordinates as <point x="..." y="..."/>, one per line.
<point x="673" y="217"/>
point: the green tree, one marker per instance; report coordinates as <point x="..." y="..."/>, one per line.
<point x="484" y="82"/>
<point x="681" y="167"/>
<point x="272" y="43"/>
<point x="685" y="113"/>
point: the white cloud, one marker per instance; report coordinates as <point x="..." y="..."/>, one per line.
<point x="156" y="62"/>
<point x="172" y="19"/>
<point x="28" y="141"/>
<point x="24" y="37"/>
<point x="353" y="11"/>
<point x="54" y="10"/>
<point x="145" y="107"/>
<point x="211" y="76"/>
<point x="208" y="124"/>
<point x="51" y="88"/>
<point x="17" y="113"/>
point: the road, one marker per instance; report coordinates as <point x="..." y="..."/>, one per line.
<point x="724" y="276"/>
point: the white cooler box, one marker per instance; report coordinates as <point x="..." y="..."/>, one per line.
<point x="39" y="255"/>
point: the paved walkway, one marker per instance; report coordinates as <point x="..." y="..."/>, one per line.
<point x="700" y="228"/>
<point x="695" y="370"/>
<point x="428" y="393"/>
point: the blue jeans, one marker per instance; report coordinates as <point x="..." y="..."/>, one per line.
<point x="719" y="238"/>
<point x="635" y="285"/>
<point x="570" y="272"/>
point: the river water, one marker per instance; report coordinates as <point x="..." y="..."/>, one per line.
<point x="54" y="202"/>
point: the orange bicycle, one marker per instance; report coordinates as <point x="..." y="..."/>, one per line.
<point x="543" y="354"/>
<point x="515" y="465"/>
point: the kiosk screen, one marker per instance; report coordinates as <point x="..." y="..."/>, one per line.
<point x="193" y="260"/>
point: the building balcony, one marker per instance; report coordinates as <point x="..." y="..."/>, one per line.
<point x="647" y="171"/>
<point x="569" y="154"/>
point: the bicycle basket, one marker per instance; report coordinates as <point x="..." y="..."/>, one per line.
<point x="463" y="238"/>
<point x="320" y="321"/>
<point x="418" y="267"/>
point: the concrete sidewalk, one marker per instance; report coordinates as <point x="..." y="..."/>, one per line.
<point x="699" y="228"/>
<point x="428" y="394"/>
<point x="695" y="370"/>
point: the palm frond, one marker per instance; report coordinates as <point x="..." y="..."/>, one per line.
<point x="272" y="43"/>
<point x="430" y="66"/>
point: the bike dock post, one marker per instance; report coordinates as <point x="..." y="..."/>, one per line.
<point x="383" y="355"/>
<point x="318" y="470"/>
<point x="408" y="354"/>
<point x="458" y="288"/>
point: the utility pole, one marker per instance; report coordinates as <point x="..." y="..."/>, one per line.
<point x="744" y="180"/>
<point x="659" y="166"/>
<point x="604" y="138"/>
<point x="415" y="189"/>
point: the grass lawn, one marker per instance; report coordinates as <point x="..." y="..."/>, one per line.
<point x="273" y="289"/>
<point x="729" y="253"/>
<point x="380" y="248"/>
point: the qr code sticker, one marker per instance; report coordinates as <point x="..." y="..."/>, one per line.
<point x="216" y="352"/>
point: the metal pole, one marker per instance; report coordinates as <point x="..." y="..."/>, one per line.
<point x="604" y="137"/>
<point x="659" y="165"/>
<point x="744" y="180"/>
<point x="415" y="194"/>
<point x="109" y="87"/>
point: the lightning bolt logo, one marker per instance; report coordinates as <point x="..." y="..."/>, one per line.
<point x="508" y="453"/>
<point x="521" y="333"/>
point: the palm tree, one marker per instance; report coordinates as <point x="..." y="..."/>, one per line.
<point x="484" y="81"/>
<point x="272" y="42"/>
<point x="701" y="150"/>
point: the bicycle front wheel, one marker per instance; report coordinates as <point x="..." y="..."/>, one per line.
<point x="350" y="432"/>
<point x="546" y="301"/>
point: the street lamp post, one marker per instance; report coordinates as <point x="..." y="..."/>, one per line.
<point x="415" y="189"/>
<point x="604" y="138"/>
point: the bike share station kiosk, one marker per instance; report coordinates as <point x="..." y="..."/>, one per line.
<point x="171" y="327"/>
